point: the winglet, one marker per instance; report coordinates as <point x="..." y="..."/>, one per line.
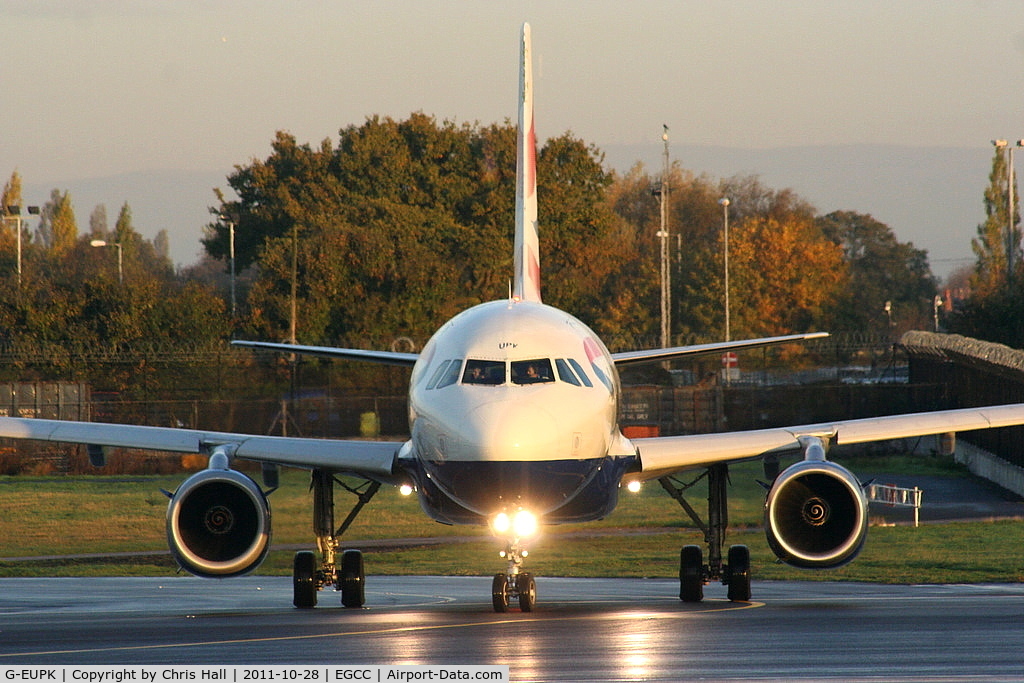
<point x="527" y="258"/>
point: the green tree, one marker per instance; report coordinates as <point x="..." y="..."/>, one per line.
<point x="992" y="310"/>
<point x="997" y="245"/>
<point x="405" y="223"/>
<point x="882" y="269"/>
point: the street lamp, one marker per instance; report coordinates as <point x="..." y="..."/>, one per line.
<point x="15" y="214"/>
<point x="724" y="201"/>
<point x="120" y="267"/>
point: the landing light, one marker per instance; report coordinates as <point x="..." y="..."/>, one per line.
<point x="521" y="524"/>
<point x="405" y="489"/>
<point x="633" y="486"/>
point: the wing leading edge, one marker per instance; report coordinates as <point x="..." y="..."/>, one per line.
<point x="661" y="455"/>
<point x="654" y="355"/>
<point x="381" y="357"/>
<point x="373" y="459"/>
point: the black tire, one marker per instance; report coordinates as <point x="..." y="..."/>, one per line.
<point x="304" y="580"/>
<point x="739" y="573"/>
<point x="691" y="574"/>
<point x="499" y="593"/>
<point x="526" y="586"/>
<point x="351" y="579"/>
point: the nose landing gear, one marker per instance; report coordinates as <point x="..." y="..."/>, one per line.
<point x="514" y="584"/>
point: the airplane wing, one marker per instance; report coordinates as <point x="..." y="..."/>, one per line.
<point x="662" y="455"/>
<point x="382" y="357"/>
<point x="373" y="459"/>
<point x="653" y="355"/>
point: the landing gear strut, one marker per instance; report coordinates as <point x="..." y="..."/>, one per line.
<point x="514" y="583"/>
<point x="693" y="573"/>
<point x="346" y="575"/>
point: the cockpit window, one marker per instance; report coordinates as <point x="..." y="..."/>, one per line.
<point x="490" y="372"/>
<point x="436" y="377"/>
<point x="451" y="376"/>
<point x="580" y="372"/>
<point x="565" y="373"/>
<point x="532" y="371"/>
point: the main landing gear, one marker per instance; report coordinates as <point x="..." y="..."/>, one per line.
<point x="514" y="584"/>
<point x="347" y="575"/>
<point x="693" y="572"/>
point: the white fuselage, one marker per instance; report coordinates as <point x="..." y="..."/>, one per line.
<point x="514" y="404"/>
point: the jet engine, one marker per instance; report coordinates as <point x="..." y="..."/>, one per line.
<point x="218" y="524"/>
<point x="816" y="515"/>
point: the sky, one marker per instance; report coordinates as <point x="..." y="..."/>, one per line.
<point x="104" y="97"/>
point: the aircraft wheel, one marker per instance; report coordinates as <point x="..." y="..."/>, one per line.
<point x="304" y="580"/>
<point x="527" y="589"/>
<point x="739" y="573"/>
<point x="499" y="593"/>
<point x="691" y="574"/>
<point x="352" y="580"/>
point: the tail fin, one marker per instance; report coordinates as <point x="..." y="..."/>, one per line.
<point x="527" y="258"/>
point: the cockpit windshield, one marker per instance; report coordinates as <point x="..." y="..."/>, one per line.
<point x="520" y="372"/>
<point x="484" y="372"/>
<point x="532" y="371"/>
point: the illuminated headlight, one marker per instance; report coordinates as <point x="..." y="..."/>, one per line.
<point x="524" y="524"/>
<point x="501" y="523"/>
<point x="521" y="524"/>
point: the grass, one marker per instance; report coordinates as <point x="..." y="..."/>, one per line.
<point x="80" y="515"/>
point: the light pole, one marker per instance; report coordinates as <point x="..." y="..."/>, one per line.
<point x="230" y="220"/>
<point x="120" y="267"/>
<point x="15" y="214"/>
<point x="724" y="201"/>
<point x="663" y="234"/>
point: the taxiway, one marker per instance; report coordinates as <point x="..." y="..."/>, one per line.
<point x="583" y="629"/>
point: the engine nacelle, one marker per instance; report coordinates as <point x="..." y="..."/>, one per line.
<point x="218" y="524"/>
<point x="816" y="515"/>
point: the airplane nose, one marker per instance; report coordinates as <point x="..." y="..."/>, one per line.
<point x="512" y="431"/>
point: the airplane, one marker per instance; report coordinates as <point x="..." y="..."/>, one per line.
<point x="513" y="410"/>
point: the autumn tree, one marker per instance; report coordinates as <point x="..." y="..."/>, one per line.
<point x="71" y="295"/>
<point x="58" y="228"/>
<point x="761" y="219"/>
<point x="98" y="222"/>
<point x="785" y="275"/>
<point x="8" y="230"/>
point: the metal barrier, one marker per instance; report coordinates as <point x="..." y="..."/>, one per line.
<point x="893" y="495"/>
